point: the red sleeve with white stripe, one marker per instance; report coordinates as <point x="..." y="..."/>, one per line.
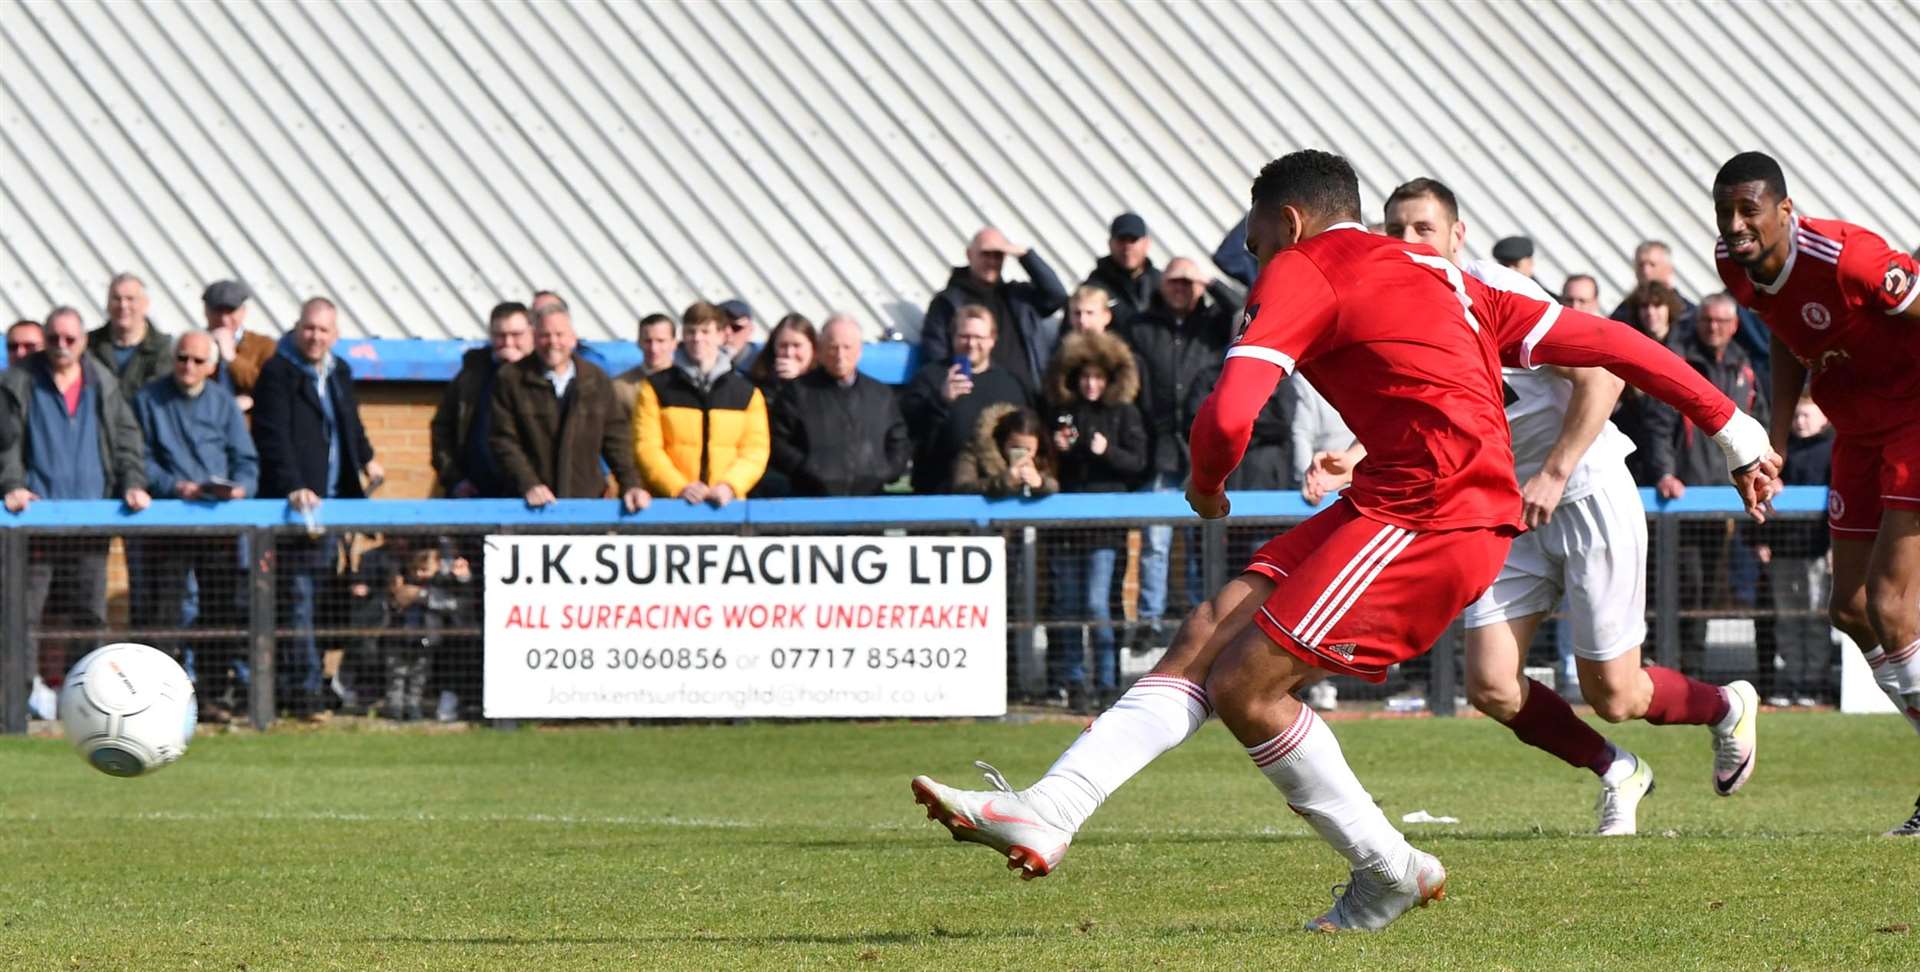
<point x="1875" y="276"/>
<point x="1291" y="307"/>
<point x="1532" y="333"/>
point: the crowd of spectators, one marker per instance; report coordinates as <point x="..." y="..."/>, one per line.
<point x="1024" y="389"/>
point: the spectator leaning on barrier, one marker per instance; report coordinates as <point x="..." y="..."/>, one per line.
<point x="306" y="425"/>
<point x="1582" y="293"/>
<point x="463" y="460"/>
<point x="1101" y="441"/>
<point x="1126" y="273"/>
<point x="71" y="435"/>
<point x="659" y="335"/>
<point x="198" y="449"/>
<point x="553" y="420"/>
<point x="835" y="431"/>
<point x="128" y="345"/>
<point x="1185" y="333"/>
<point x="24" y="340"/>
<point x="700" y="427"/>
<point x="242" y="352"/>
<point x="737" y="335"/>
<point x="1020" y="310"/>
<point x="943" y="402"/>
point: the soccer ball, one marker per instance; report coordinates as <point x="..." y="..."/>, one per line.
<point x="128" y="708"/>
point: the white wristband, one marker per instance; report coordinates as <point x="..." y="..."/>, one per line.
<point x="1744" y="441"/>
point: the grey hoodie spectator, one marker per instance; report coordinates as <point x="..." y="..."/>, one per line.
<point x="1021" y="310"/>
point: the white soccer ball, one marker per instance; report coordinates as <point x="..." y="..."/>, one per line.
<point x="129" y="709"/>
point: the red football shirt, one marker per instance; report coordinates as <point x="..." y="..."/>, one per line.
<point x="1408" y="350"/>
<point x="1837" y="307"/>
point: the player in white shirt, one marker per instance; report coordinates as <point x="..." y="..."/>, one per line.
<point x="1586" y="539"/>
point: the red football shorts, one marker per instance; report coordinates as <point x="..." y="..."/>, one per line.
<point x="1869" y="477"/>
<point x="1355" y="596"/>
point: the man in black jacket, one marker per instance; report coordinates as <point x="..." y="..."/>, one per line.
<point x="306" y="425"/>
<point x="1126" y="273"/>
<point x="462" y="460"/>
<point x="1184" y="334"/>
<point x="1713" y="551"/>
<point x="1020" y="309"/>
<point x="837" y="432"/>
<point x="944" y="401"/>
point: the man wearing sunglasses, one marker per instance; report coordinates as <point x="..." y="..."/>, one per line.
<point x="738" y="336"/>
<point x="198" y="449"/>
<point x="24" y="340"/>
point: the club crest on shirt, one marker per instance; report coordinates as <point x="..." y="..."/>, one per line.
<point x="1817" y="316"/>
<point x="1246" y="321"/>
<point x="1836" y="507"/>
<point x="1897" y="282"/>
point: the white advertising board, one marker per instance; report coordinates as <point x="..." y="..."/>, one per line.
<point x="692" y="626"/>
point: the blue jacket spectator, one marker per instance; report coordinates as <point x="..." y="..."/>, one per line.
<point x="1232" y="257"/>
<point x="1019" y="309"/>
<point x="195" y="431"/>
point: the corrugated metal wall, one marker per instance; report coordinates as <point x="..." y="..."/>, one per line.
<point x="420" y="161"/>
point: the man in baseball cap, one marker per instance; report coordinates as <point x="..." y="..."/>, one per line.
<point x="1126" y="272"/>
<point x="242" y="352"/>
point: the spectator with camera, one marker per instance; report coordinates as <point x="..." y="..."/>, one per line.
<point x="1101" y="441"/>
<point x="1010" y="455"/>
<point x="1020" y="310"/>
<point x="835" y="431"/>
<point x="944" y="402"/>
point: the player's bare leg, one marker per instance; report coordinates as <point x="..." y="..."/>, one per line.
<point x="1160" y="711"/>
<point x="1252" y="685"/>
<point x="1852" y="559"/>
<point x="1893" y="610"/>
<point x="1498" y="687"/>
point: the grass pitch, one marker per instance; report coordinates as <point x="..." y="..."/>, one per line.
<point x="774" y="846"/>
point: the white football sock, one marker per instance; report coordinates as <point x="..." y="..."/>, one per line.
<point x="1305" y="762"/>
<point x="1886" y="674"/>
<point x="1621" y="765"/>
<point x="1158" y="713"/>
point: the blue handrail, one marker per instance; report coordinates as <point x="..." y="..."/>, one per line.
<point x="866" y="511"/>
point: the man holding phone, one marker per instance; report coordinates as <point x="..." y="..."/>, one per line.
<point x="944" y="401"/>
<point x="198" y="449"/>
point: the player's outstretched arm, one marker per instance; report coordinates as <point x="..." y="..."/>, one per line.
<point x="1574" y="339"/>
<point x="1223" y="427"/>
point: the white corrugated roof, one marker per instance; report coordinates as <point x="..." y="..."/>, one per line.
<point x="418" y="162"/>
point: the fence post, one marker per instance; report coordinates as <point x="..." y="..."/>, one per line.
<point x="1666" y="603"/>
<point x="1440" y="680"/>
<point x="16" y="655"/>
<point x="1029" y="602"/>
<point x="261" y="623"/>
<point x="1213" y="559"/>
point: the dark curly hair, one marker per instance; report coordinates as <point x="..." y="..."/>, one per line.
<point x="1311" y="180"/>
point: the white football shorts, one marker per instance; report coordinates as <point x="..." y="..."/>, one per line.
<point x="1594" y="551"/>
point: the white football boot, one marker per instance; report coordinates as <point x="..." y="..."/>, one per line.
<point x="1734" y="750"/>
<point x="1370" y="902"/>
<point x="998" y="818"/>
<point x="1620" y="804"/>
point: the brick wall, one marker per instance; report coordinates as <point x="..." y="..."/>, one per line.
<point x="397" y="415"/>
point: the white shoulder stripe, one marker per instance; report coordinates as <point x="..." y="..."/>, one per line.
<point x="1540" y="329"/>
<point x="1268" y="355"/>
<point x="1808" y="233"/>
<point x="1820" y="243"/>
<point x="1822" y="256"/>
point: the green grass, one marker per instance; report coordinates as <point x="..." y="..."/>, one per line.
<point x="774" y="846"/>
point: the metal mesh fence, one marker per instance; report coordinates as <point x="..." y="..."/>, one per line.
<point x="388" y="624"/>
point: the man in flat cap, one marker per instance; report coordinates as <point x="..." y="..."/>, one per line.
<point x="242" y="352"/>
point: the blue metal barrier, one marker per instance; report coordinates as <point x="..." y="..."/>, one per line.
<point x="865" y="511"/>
